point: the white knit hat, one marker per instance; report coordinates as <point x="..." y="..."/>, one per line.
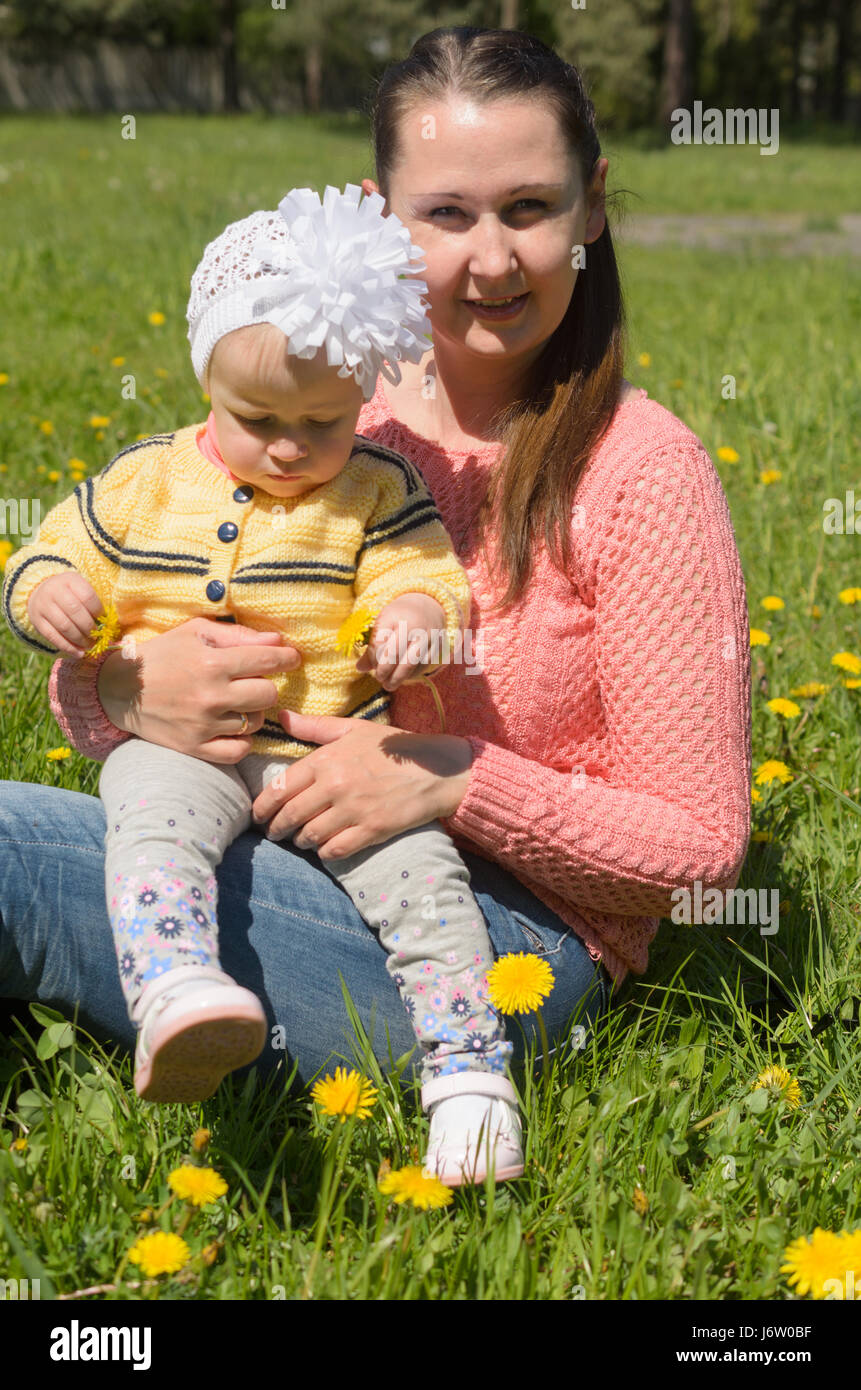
<point x="327" y="274"/>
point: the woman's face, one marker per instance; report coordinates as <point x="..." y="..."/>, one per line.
<point x="491" y="194"/>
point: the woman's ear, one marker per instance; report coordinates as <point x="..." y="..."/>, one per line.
<point x="596" y="219"/>
<point x="368" y="186"/>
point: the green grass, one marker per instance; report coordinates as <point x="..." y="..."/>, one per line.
<point x="661" y="1098"/>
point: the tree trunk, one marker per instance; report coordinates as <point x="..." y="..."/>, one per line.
<point x="313" y="75"/>
<point x="843" y="17"/>
<point x="229" y="57"/>
<point x="508" y="14"/>
<point x="676" y="80"/>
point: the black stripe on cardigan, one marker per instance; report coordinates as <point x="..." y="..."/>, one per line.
<point x="163" y="439"/>
<point x="111" y="548"/>
<point x="422" y="514"/>
<point x="379" y="451"/>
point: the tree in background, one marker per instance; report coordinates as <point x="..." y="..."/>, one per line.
<point x="642" y="58"/>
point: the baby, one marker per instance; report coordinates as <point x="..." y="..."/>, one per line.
<point x="276" y="515"/>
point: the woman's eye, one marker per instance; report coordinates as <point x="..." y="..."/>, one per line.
<point x="439" y="210"/>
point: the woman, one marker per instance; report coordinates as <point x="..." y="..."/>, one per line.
<point x="597" y="753"/>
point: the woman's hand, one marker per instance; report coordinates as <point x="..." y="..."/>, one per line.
<point x="189" y="688"/>
<point x="366" y="783"/>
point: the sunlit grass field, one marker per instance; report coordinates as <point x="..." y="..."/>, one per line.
<point x="654" y="1169"/>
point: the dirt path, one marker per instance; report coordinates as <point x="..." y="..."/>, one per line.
<point x="783" y="234"/>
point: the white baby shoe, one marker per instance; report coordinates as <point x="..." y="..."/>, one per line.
<point x="474" y="1128"/>
<point x="196" y="1024"/>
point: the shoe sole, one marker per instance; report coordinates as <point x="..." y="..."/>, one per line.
<point x="478" y="1175"/>
<point x="190" y="1060"/>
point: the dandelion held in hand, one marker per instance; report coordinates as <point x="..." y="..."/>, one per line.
<point x="106" y="633"/>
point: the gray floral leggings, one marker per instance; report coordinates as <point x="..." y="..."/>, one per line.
<point x="171" y="817"/>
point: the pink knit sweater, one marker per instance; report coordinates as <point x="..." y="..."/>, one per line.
<point x="609" y="718"/>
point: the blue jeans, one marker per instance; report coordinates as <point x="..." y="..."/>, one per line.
<point x="286" y="931"/>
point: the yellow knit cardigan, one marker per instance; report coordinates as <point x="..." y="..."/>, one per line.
<point x="164" y="536"/>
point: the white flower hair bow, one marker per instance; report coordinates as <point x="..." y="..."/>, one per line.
<point x="338" y="282"/>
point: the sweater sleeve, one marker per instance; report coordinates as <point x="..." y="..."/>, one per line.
<point x="406" y="549"/>
<point x="73" y="693"/>
<point x="673" y="663"/>
<point x="84" y="533"/>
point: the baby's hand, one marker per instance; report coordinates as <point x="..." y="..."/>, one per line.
<point x="394" y="655"/>
<point x="64" y="610"/>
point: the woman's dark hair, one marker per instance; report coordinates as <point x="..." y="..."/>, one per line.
<point x="573" y="388"/>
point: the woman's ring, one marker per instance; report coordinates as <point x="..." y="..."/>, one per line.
<point x="244" y="728"/>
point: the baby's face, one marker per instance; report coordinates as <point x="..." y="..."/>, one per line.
<point x="285" y="424"/>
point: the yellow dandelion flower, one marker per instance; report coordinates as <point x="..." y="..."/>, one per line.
<point x="46" y="427"/>
<point x="118" y="361"/>
<point x="56" y="755"/>
<point x="19" y="1146"/>
<point x="726" y="454"/>
<point x="99" y="422"/>
<point x="76" y="464"/>
<point x="519" y="984"/>
<point x="156" y="318"/>
<point x="762" y="837"/>
<point x="106" y="632"/>
<point x="206" y="397"/>
<point x="162" y="1252"/>
<point x="6" y="548"/>
<point x="77" y="477"/>
<point x="772" y="603"/>
<point x="345" y="1093"/>
<point x="788" y="708"/>
<point x="100" y="434"/>
<point x="758" y="638"/>
<point x="847" y="661"/>
<point x="816" y="611"/>
<point x="769" y="476"/>
<point x="645" y="359"/>
<point x="53" y="476"/>
<point x="200" y="1186"/>
<point x="209" y="1253"/>
<point x="4" y="378"/>
<point x="773" y="770"/>
<point x="199" y="1140"/>
<point x="810" y="690"/>
<point x="851" y="684"/>
<point x="40" y="468"/>
<point x="640" y="1201"/>
<point x="413" y="1185"/>
<point x="850" y="596"/>
<point x="755" y="795"/>
<point x="142" y="436"/>
<point x="781" y="1084"/>
<point x="355" y="631"/>
<point x="811" y="1262"/>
